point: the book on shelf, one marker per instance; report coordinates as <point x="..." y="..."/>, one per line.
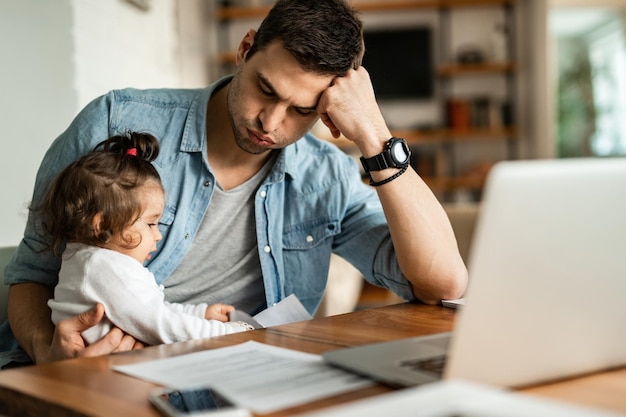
<point x="477" y="112"/>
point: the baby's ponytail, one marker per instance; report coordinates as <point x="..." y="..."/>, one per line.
<point x="133" y="144"/>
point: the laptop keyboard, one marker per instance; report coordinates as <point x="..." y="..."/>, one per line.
<point x="433" y="365"/>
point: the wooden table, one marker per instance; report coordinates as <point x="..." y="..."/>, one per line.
<point x="88" y="386"/>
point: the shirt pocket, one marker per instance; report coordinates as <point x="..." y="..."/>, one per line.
<point x="306" y="257"/>
<point x="310" y="234"/>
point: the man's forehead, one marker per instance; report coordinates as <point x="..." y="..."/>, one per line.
<point x="278" y="70"/>
<point x="298" y="95"/>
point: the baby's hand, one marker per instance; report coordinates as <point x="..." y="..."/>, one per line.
<point x="218" y="312"/>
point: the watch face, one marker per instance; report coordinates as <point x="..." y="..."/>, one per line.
<point x="400" y="152"/>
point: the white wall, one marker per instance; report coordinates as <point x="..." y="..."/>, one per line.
<point x="36" y="98"/>
<point x="57" y="56"/>
<point x="117" y="45"/>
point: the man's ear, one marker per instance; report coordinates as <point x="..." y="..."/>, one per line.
<point x="96" y="223"/>
<point x="244" y="46"/>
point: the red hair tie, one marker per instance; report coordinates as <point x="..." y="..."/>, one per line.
<point x="132" y="152"/>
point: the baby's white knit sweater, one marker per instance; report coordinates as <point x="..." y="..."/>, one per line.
<point x="132" y="299"/>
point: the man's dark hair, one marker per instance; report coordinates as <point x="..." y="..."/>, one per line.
<point x="324" y="36"/>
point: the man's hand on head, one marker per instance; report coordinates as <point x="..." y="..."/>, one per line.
<point x="348" y="106"/>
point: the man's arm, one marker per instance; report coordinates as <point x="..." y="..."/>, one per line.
<point x="33" y="329"/>
<point x="29" y="317"/>
<point x="422" y="236"/>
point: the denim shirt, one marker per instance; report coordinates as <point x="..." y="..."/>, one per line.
<point x="312" y="203"/>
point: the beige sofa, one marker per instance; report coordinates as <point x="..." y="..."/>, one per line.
<point x="463" y="219"/>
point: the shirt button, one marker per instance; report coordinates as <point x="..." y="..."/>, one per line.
<point x="207" y="183"/>
<point x="263" y="193"/>
<point x="309" y="238"/>
<point x="266" y="249"/>
<point x="186" y="235"/>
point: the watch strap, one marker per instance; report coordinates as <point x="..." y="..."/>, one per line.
<point x="376" y="163"/>
<point x="384" y="159"/>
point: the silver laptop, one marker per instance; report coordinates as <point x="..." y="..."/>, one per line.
<point x="547" y="284"/>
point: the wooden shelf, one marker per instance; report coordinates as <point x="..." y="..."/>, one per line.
<point x="455" y="70"/>
<point x="467" y="3"/>
<point x="449" y="70"/>
<point x="241" y="12"/>
<point x="470" y="182"/>
<point x="251" y="12"/>
<point x="445" y="184"/>
<point x="389" y="6"/>
<point x="453" y="135"/>
<point x="438" y="136"/>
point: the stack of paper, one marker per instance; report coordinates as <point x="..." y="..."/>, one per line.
<point x="253" y="375"/>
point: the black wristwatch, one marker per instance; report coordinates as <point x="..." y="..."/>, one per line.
<point x="395" y="155"/>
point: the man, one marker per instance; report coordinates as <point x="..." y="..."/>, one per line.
<point x="255" y="205"/>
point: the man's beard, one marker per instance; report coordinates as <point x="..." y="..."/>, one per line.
<point x="242" y="139"/>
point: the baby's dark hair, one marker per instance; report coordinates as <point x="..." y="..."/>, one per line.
<point x="104" y="183"/>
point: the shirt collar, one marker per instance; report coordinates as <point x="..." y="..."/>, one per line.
<point x="194" y="133"/>
<point x="288" y="161"/>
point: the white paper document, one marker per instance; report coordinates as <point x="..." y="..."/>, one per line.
<point x="288" y="310"/>
<point x="457" y="303"/>
<point x="259" y="377"/>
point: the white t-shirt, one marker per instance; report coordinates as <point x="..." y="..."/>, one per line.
<point x="131" y="298"/>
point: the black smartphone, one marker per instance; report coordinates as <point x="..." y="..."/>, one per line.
<point x="203" y="401"/>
